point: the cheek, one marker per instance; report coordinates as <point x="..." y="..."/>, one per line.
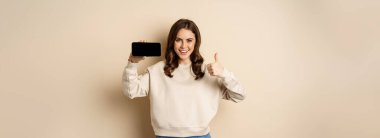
<point x="191" y="45"/>
<point x="176" y="46"/>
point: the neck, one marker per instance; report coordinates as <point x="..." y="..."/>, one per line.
<point x="181" y="61"/>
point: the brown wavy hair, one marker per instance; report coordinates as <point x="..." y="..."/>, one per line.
<point x="171" y="57"/>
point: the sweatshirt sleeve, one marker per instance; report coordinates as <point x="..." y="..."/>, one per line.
<point x="133" y="84"/>
<point x="231" y="88"/>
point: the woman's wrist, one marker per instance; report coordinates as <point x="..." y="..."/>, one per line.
<point x="132" y="61"/>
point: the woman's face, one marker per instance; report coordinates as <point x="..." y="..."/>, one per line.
<point x="184" y="45"/>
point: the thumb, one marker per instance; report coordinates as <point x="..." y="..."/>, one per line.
<point x="216" y="57"/>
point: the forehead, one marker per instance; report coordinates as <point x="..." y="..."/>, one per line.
<point x="185" y="34"/>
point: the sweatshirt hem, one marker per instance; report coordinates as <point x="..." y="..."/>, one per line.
<point x="182" y="132"/>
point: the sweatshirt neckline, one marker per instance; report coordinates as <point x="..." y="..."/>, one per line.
<point x="184" y="65"/>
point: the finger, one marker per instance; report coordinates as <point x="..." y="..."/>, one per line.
<point x="211" y="72"/>
<point x="216" y="57"/>
<point x="209" y="69"/>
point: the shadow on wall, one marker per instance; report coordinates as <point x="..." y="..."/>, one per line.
<point x="140" y="106"/>
<point x="134" y="113"/>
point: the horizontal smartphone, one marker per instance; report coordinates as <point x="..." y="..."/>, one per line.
<point x="146" y="49"/>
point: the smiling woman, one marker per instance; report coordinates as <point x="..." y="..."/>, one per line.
<point x="184" y="95"/>
<point x="184" y="45"/>
<point x="184" y="41"/>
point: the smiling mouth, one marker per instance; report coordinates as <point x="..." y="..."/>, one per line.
<point x="183" y="52"/>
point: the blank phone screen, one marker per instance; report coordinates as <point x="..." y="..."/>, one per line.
<point x="146" y="49"/>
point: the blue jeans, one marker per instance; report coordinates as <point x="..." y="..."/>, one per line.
<point x="204" y="136"/>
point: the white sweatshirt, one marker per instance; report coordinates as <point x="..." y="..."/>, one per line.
<point x="181" y="106"/>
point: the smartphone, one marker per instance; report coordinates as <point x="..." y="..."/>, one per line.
<point x="146" y="49"/>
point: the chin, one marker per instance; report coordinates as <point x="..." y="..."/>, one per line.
<point x="184" y="57"/>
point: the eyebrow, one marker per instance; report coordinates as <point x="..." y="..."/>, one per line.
<point x="186" y="38"/>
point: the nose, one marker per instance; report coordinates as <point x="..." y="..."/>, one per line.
<point x="183" y="45"/>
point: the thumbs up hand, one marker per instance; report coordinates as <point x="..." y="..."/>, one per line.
<point x="215" y="69"/>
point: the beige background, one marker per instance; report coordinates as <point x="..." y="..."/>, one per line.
<point x="311" y="68"/>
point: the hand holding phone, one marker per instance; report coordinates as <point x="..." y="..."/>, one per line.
<point x="135" y="59"/>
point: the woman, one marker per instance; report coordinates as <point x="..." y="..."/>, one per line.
<point x="184" y="93"/>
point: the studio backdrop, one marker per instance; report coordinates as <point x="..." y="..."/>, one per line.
<point x="310" y="68"/>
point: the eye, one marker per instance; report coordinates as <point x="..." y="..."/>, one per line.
<point x="189" y="40"/>
<point x="177" y="40"/>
